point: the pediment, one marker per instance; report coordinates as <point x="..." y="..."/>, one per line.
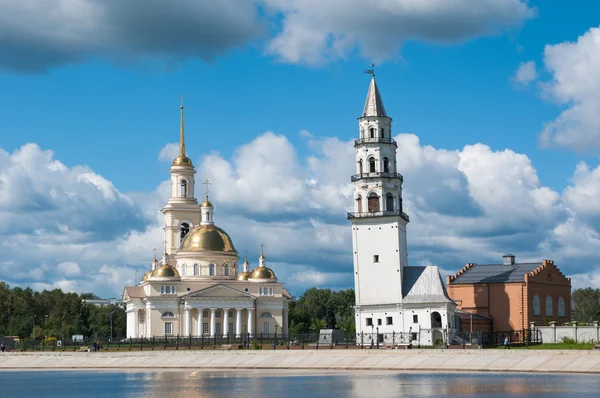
<point x="218" y="291"/>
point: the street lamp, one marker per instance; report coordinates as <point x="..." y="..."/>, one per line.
<point x="111" y="334"/>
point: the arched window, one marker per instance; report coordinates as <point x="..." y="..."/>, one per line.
<point x="196" y="270"/>
<point x="183" y="188"/>
<point x="382" y="133"/>
<point x="371" y="165"/>
<point x="561" y="306"/>
<point x="226" y="270"/>
<point x="372" y="132"/>
<point x="389" y="202"/>
<point x="184" y="229"/>
<point x="359" y="204"/>
<point x="373" y="202"/>
<point x="168" y="314"/>
<point x="211" y="270"/>
<point x="536" y="305"/>
<point x="386" y="165"/>
<point x="548" y="306"/>
<point x="360" y="166"/>
<point x="266" y="315"/>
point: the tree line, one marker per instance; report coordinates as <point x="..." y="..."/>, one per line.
<point x="56" y="314"/>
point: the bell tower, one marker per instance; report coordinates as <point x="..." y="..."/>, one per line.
<point x="378" y="220"/>
<point x="181" y="212"/>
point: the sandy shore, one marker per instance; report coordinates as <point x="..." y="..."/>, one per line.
<point x="555" y="361"/>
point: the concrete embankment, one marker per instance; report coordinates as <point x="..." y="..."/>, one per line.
<point x="416" y="360"/>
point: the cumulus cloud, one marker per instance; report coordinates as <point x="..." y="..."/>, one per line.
<point x="575" y="83"/>
<point x="314" y="32"/>
<point x="39" y="34"/>
<point x="525" y="73"/>
<point x="169" y="152"/>
<point x="467" y="205"/>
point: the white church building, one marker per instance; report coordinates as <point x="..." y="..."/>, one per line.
<point x="391" y="297"/>
<point x="197" y="289"/>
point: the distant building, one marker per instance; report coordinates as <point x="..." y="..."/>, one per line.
<point x="198" y="289"/>
<point x="103" y="302"/>
<point x="394" y="300"/>
<point x="508" y="296"/>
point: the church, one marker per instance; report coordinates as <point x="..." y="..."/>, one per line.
<point x="196" y="289"/>
<point x="391" y="297"/>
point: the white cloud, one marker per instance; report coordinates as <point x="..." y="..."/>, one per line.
<point x="468" y="205"/>
<point x="575" y="69"/>
<point x="525" y="73"/>
<point x="315" y="32"/>
<point x="169" y="152"/>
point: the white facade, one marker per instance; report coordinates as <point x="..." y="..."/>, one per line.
<point x="390" y="296"/>
<point x="196" y="290"/>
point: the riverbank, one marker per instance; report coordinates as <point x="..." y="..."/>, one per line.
<point x="557" y="361"/>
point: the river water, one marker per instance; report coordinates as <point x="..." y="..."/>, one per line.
<point x="134" y="384"/>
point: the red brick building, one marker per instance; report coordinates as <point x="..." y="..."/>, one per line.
<point x="508" y="296"/>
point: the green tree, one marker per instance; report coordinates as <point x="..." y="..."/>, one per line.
<point x="586" y="305"/>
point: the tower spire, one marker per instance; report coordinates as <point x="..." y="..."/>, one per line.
<point x="374" y="103"/>
<point x="182" y="159"/>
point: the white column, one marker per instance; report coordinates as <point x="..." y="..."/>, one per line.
<point x="250" y="316"/>
<point x="187" y="323"/>
<point x="284" y="327"/>
<point x="225" y="321"/>
<point x="212" y="321"/>
<point x="238" y="322"/>
<point x="199" y="322"/>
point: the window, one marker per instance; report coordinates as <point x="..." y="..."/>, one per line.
<point x="379" y="322"/>
<point x="389" y="202"/>
<point x="211" y="270"/>
<point x="183" y="189"/>
<point x="168" y="327"/>
<point x="265" y="291"/>
<point x="196" y="269"/>
<point x="218" y="328"/>
<point x="372" y="132"/>
<point x="205" y="328"/>
<point x="267" y="327"/>
<point x="376" y="258"/>
<point x="205" y="314"/>
<point x="369" y="321"/>
<point x="217" y="314"/>
<point x="168" y="314"/>
<point x="230" y="314"/>
<point x="561" y="306"/>
<point x="413" y="336"/>
<point x="226" y="270"/>
<point x="230" y="327"/>
<point x="382" y="133"/>
<point x="373" y="202"/>
<point x="389" y="320"/>
<point x="536" y="305"/>
<point x="183" y="231"/>
<point x="371" y="165"/>
<point x="386" y="165"/>
<point x="415" y="319"/>
<point x="548" y="306"/>
<point x="266" y="315"/>
<point x="360" y="166"/>
<point x="168" y="289"/>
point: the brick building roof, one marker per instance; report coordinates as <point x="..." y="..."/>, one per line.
<point x="494" y="273"/>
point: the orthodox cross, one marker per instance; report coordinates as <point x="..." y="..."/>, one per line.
<point x="154" y="251"/>
<point x="207" y="183"/>
<point x="246" y="252"/>
<point x="165" y="242"/>
<point x="262" y="249"/>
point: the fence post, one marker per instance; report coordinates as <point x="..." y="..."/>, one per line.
<point x="393" y="339"/>
<point x="362" y="340"/>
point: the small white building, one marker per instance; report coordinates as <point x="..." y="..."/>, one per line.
<point x="391" y="297"/>
<point x="197" y="288"/>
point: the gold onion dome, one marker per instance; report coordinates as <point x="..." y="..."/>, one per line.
<point x="165" y="271"/>
<point x="207" y="238"/>
<point x="262" y="273"/>
<point x="146" y="276"/>
<point x="182" y="161"/>
<point x="243" y="276"/>
<point x="207" y="203"/>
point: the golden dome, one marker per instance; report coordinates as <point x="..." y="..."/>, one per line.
<point x="166" y="271"/>
<point x="206" y="203"/>
<point x="146" y="276"/>
<point x="243" y="276"/>
<point x="182" y="161"/>
<point x="207" y="238"/>
<point x="262" y="273"/>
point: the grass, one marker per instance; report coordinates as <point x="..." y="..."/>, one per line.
<point x="554" y="346"/>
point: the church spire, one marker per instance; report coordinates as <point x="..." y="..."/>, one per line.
<point x="182" y="159"/>
<point x="373" y="104"/>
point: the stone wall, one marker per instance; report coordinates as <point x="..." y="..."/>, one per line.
<point x="556" y="334"/>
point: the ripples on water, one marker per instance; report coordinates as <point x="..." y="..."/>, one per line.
<point x="286" y="384"/>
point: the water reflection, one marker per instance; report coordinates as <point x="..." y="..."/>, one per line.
<point x="204" y="384"/>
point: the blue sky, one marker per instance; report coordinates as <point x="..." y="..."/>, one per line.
<point x="109" y="102"/>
